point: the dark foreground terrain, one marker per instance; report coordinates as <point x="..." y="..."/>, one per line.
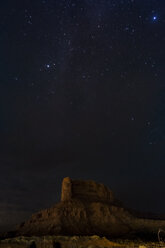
<point x="74" y="242"/>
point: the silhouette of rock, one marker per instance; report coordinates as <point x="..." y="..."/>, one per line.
<point x="88" y="208"/>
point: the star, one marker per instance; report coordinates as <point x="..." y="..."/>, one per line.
<point x="154" y="18"/>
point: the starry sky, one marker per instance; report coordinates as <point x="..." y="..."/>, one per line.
<point x="82" y="90"/>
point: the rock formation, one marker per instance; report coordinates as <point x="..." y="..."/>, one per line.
<point x="85" y="191"/>
<point x="87" y="208"/>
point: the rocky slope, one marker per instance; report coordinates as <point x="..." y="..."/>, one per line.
<point x="88" y="208"/>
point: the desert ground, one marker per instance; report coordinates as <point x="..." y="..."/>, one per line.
<point x="75" y="242"/>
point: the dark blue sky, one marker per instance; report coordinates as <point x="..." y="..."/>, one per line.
<point x="82" y="95"/>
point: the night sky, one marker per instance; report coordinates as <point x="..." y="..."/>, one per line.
<point x="82" y="90"/>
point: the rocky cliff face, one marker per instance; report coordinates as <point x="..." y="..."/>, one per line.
<point x="77" y="218"/>
<point x="87" y="208"/>
<point x="85" y="190"/>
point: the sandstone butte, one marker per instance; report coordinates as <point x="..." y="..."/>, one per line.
<point x="88" y="208"/>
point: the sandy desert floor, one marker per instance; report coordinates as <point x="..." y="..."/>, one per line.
<point x="74" y="242"/>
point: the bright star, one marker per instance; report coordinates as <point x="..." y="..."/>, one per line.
<point x="48" y="66"/>
<point x="154" y="18"/>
